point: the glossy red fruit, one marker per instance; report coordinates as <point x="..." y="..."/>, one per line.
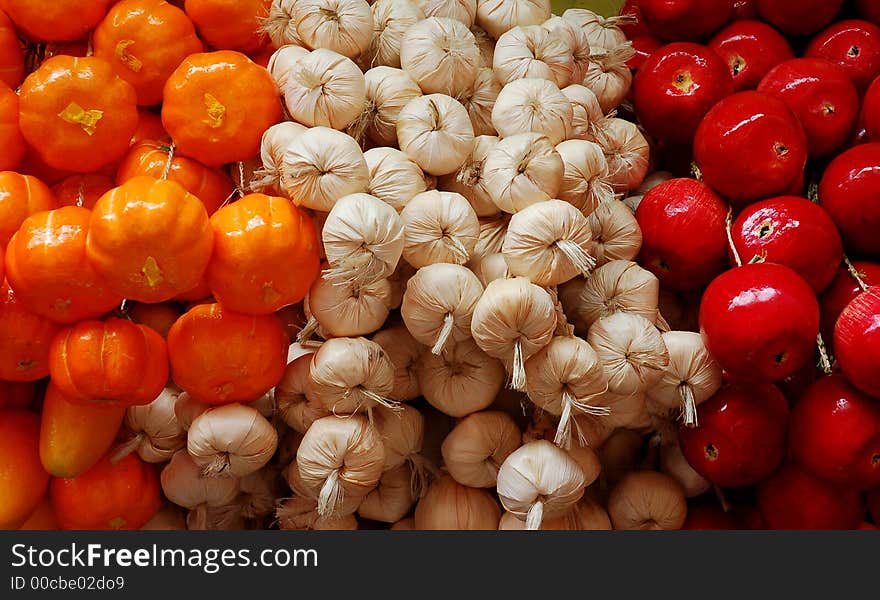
<point x="869" y="10"/>
<point x="745" y="10"/>
<point x="834" y="433"/>
<point x="798" y="17"/>
<point x="708" y="518"/>
<point x="821" y="96"/>
<point x="872" y="498"/>
<point x="871" y="111"/>
<point x="843" y="290"/>
<point x="684" y="242"/>
<point x="760" y="321"/>
<point x="854" y="45"/>
<point x="790" y="231"/>
<point x="857" y="341"/>
<point x="636" y="27"/>
<point x="750" y="49"/>
<point x="740" y="439"/>
<point x="645" y="46"/>
<point x="850" y="192"/>
<point x="750" y="146"/>
<point x="795" y="499"/>
<point x="675" y="88"/>
<point x="685" y="20"/>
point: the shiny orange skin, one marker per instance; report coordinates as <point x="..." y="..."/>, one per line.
<point x="42" y="519"/>
<point x="11" y="53"/>
<point x="145" y="40"/>
<point x="11" y="140"/>
<point x="211" y="186"/>
<point x="265" y="254"/>
<point x="113" y="362"/>
<point x="73" y="436"/>
<point x="219" y="356"/>
<point x="149" y="239"/>
<point x="17" y="394"/>
<point x="149" y="127"/>
<point x="20" y="197"/>
<point x="53" y="100"/>
<point x="23" y="480"/>
<point x="199" y="292"/>
<point x="107" y="496"/>
<point x="217" y="106"/>
<point x="55" y="20"/>
<point x="230" y="24"/>
<point x="24" y="340"/>
<point x="46" y="265"/>
<point x="158" y="317"/>
<point x="82" y="189"/>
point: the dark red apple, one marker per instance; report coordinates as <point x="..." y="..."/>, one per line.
<point x="865" y="526"/>
<point x="843" y="290"/>
<point x="790" y="231"/>
<point x="750" y="146"/>
<point x="857" y="341"/>
<point x="675" y="88"/>
<point x="795" y="499"/>
<point x="872" y="498"/>
<point x="705" y="517"/>
<point x="821" y="96"/>
<point x="850" y="192"/>
<point x="685" y="20"/>
<point x="750" y="518"/>
<point x="798" y="17"/>
<point x="636" y="27"/>
<point x="745" y="10"/>
<point x="740" y="439"/>
<point x="684" y="241"/>
<point x="750" y="49"/>
<point x="760" y="321"/>
<point x="852" y="44"/>
<point x="871" y="111"/>
<point x="869" y="10"/>
<point x="645" y="46"/>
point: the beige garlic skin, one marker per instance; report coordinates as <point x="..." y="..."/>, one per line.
<point x="448" y="505"/>
<point x="674" y="464"/>
<point x="498" y="16"/>
<point x="532" y="51"/>
<point x="587" y="515"/>
<point x="280" y="23"/>
<point x="393" y="497"/>
<point x="232" y="440"/>
<point x="486" y="45"/>
<point x="584" y="182"/>
<point x="395" y="178"/>
<point x="616" y="233"/>
<point x="631" y="350"/>
<point x="441" y="54"/>
<point x="491" y="238"/>
<point x="479" y="99"/>
<point x="618" y="286"/>
<point x="460" y="10"/>
<point x="627" y="152"/>
<point x="601" y="32"/>
<point x="619" y="455"/>
<point x="461" y="380"/>
<point x="291" y="402"/>
<point x="577" y="45"/>
<point x="490" y="268"/>
<point x="439" y="227"/>
<point x="186" y="409"/>
<point x="273" y="149"/>
<point x="350" y="375"/>
<point x="478" y="445"/>
<point x="403" y="351"/>
<point x="344" y="26"/>
<point x="184" y="485"/>
<point x="470" y="180"/>
<point x="349" y="309"/>
<point x="324" y="88"/>
<point x="402" y="433"/>
<point x="391" y="20"/>
<point x="435" y="130"/>
<point x="691" y="378"/>
<point x="301" y="514"/>
<point x="405" y="524"/>
<point x="587" y="113"/>
<point x="521" y="170"/>
<point x="608" y="76"/>
<point x="647" y="500"/>
<point x="154" y="428"/>
<point x="388" y="90"/>
<point x="216" y="518"/>
<point x="169" y="518"/>
<point x="284" y="61"/>
<point x="258" y="492"/>
<point x="533" y="105"/>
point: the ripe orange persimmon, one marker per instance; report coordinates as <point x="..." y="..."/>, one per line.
<point x="20" y="197"/>
<point x="124" y="495"/>
<point x="11" y="140"/>
<point x="46" y="265"/>
<point x="23" y="480"/>
<point x="24" y="340"/>
<point x="211" y="186"/>
<point x="77" y="114"/>
<point x="114" y="362"/>
<point x="55" y="20"/>
<point x="200" y="292"/>
<point x="149" y="239"/>
<point x="145" y="40"/>
<point x="217" y="106"/>
<point x="219" y="356"/>
<point x="42" y="519"/>
<point x="230" y="24"/>
<point x="17" y="394"/>
<point x="265" y="254"/>
<point x="11" y="53"/>
<point x="82" y="189"/>
<point x="149" y="127"/>
<point x="158" y="317"/>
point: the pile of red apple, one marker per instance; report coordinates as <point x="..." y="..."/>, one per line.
<point x="768" y="114"/>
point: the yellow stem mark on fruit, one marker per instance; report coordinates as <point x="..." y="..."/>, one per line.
<point x="152" y="272"/>
<point x="87" y="119"/>
<point x="684" y="82"/>
<point x="129" y="60"/>
<point x="216" y="111"/>
<point x="270" y="294"/>
<point x="117" y="523"/>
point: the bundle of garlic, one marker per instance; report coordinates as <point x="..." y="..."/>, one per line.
<point x="608" y="76"/>
<point x="393" y="497"/>
<point x="577" y="45"/>
<point x="533" y="51"/>
<point x="184" y="485"/>
<point x="647" y="500"/>
<point x="232" y="440"/>
<point x="533" y="105"/>
<point x="491" y="238"/>
<point x="344" y="26"/>
<point x="402" y="436"/>
<point x="674" y="464"/>
<point x="486" y="44"/>
<point x="280" y="23"/>
<point x="627" y="152"/>
<point x="346" y="309"/>
<point x="460" y="10"/>
<point x="587" y="515"/>
<point x="619" y="455"/>
<point x="490" y="268"/>
<point x="403" y="351"/>
<point x="153" y="430"/>
<point x="448" y="505"/>
<point x="387" y="91"/>
<point x="618" y="286"/>
<point x="215" y="518"/>
<point x="391" y="20"/>
<point x="584" y="182"/>
<point x="441" y="54"/>
<point x="461" y="380"/>
<point x="478" y="445"/>
<point x="479" y="99"/>
<point x="435" y="130"/>
<point x="395" y="178"/>
<point x="470" y="181"/>
<point x="258" y="491"/>
<point x="439" y="227"/>
<point x="498" y="16"/>
<point x="301" y="514"/>
<point x="521" y="170"/>
<point x="631" y="350"/>
<point x="616" y="233"/>
<point x="601" y="32"/>
<point x="323" y="88"/>
<point x="283" y="61"/>
<point x="292" y="404"/>
<point x="273" y="148"/>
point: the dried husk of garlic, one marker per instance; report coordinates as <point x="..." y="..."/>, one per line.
<point x="291" y="402"/>
<point x="629" y="411"/>
<point x="215" y="518"/>
<point x="391" y="20"/>
<point x="441" y="55"/>
<point x="576" y="43"/>
<point x="498" y="16"/>
<point x="347" y="504"/>
<point x="301" y="514"/>
<point x="609" y="77"/>
<point x="631" y="350"/>
<point x="438" y="304"/>
<point x="618" y="286"/>
<point x="521" y="170"/>
<point x="601" y="32"/>
<point x="284" y="61"/>
<point x="584" y="182"/>
<point x="169" y="518"/>
<point x="587" y="515"/>
<point x="439" y="227"/>
<point x="273" y="148"/>
<point x="619" y="455"/>
<point x="448" y="505"/>
<point x="460" y="10"/>
<point x="435" y="130"/>
<point x="343" y="26"/>
<point x="461" y="380"/>
<point x="340" y="458"/>
<point x="347" y="309"/>
<point x="351" y="375"/>
<point x="324" y="88"/>
<point x="674" y="464"/>
<point x="402" y="434"/>
<point x="405" y="524"/>
<point x="395" y="178"/>
<point x="479" y="99"/>
<point x="486" y="44"/>
<point x="153" y="430"/>
<point x="388" y="91"/>
<point x="691" y="377"/>
<point x="492" y="232"/>
<point x="548" y="242"/>
<point x="512" y="321"/>
<point x="280" y="23"/>
<point x="469" y="180"/>
<point x="647" y="500"/>
<point x="184" y="485"/>
<point x="393" y="497"/>
<point x="616" y="233"/>
<point x="587" y="114"/>
<point x="539" y="479"/>
<point x="186" y="409"/>
<point x="651" y="181"/>
<point x="475" y="449"/>
<point x="533" y="105"/>
<point x="232" y="440"/>
<point x="258" y="493"/>
<point x="402" y="274"/>
<point x="627" y="152"/>
<point x="363" y="239"/>
<point x="404" y="351"/>
<point x="532" y="51"/>
<point x="490" y="268"/>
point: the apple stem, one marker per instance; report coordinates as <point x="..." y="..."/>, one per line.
<point x="855" y="273"/>
<point x="824" y="358"/>
<point x="729" y="226"/>
<point x="722" y="498"/>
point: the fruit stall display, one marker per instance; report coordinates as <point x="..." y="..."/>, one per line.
<point x="439" y="264"/>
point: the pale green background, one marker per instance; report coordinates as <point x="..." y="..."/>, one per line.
<point x="602" y="7"/>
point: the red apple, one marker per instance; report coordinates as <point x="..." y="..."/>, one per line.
<point x="708" y="518"/>
<point x="850" y="192"/>
<point x="750" y="518"/>
<point x="740" y="439"/>
<point x="675" y="88"/>
<point x="871" y="111"/>
<point x="790" y="231"/>
<point x="750" y="146"/>
<point x="821" y="96"/>
<point x="843" y="289"/>
<point x="684" y="241"/>
<point x="852" y="44"/>
<point x="798" y="17"/>
<point x="745" y="10"/>
<point x="872" y="498"/>
<point x="645" y="46"/>
<point x="857" y="341"/>
<point x="795" y="499"/>
<point x="750" y="49"/>
<point x="865" y="526"/>
<point x="760" y="321"/>
<point x="870" y="10"/>
<point x="636" y="28"/>
<point x="685" y="20"/>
